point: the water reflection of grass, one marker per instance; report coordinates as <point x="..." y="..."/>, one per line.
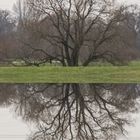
<point x="94" y="74"/>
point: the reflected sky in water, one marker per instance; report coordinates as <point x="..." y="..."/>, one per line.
<point x="11" y="126"/>
<point x="8" y="4"/>
<point x="14" y="128"/>
<point x="23" y="105"/>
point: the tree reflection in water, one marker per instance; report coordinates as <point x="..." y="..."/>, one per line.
<point x="74" y="111"/>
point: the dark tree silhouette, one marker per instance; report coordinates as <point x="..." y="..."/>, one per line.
<point x="74" y="111"/>
<point x="75" y="32"/>
<point x="77" y="111"/>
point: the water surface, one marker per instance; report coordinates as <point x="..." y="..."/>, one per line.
<point x="69" y="111"/>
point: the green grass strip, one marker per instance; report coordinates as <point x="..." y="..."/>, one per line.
<point x="95" y="74"/>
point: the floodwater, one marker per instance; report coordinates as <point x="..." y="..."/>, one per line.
<point x="12" y="127"/>
<point x="69" y="111"/>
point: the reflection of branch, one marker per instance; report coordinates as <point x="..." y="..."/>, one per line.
<point x="75" y="111"/>
<point x="73" y="115"/>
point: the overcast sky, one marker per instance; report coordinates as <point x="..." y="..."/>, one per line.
<point x="8" y="4"/>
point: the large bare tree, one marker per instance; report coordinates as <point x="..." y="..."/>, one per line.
<point x="77" y="32"/>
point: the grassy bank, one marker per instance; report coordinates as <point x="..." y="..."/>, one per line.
<point x="94" y="74"/>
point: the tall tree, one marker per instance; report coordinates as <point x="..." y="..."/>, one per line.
<point x="76" y="32"/>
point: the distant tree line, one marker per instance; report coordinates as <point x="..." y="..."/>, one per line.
<point x="70" y="32"/>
